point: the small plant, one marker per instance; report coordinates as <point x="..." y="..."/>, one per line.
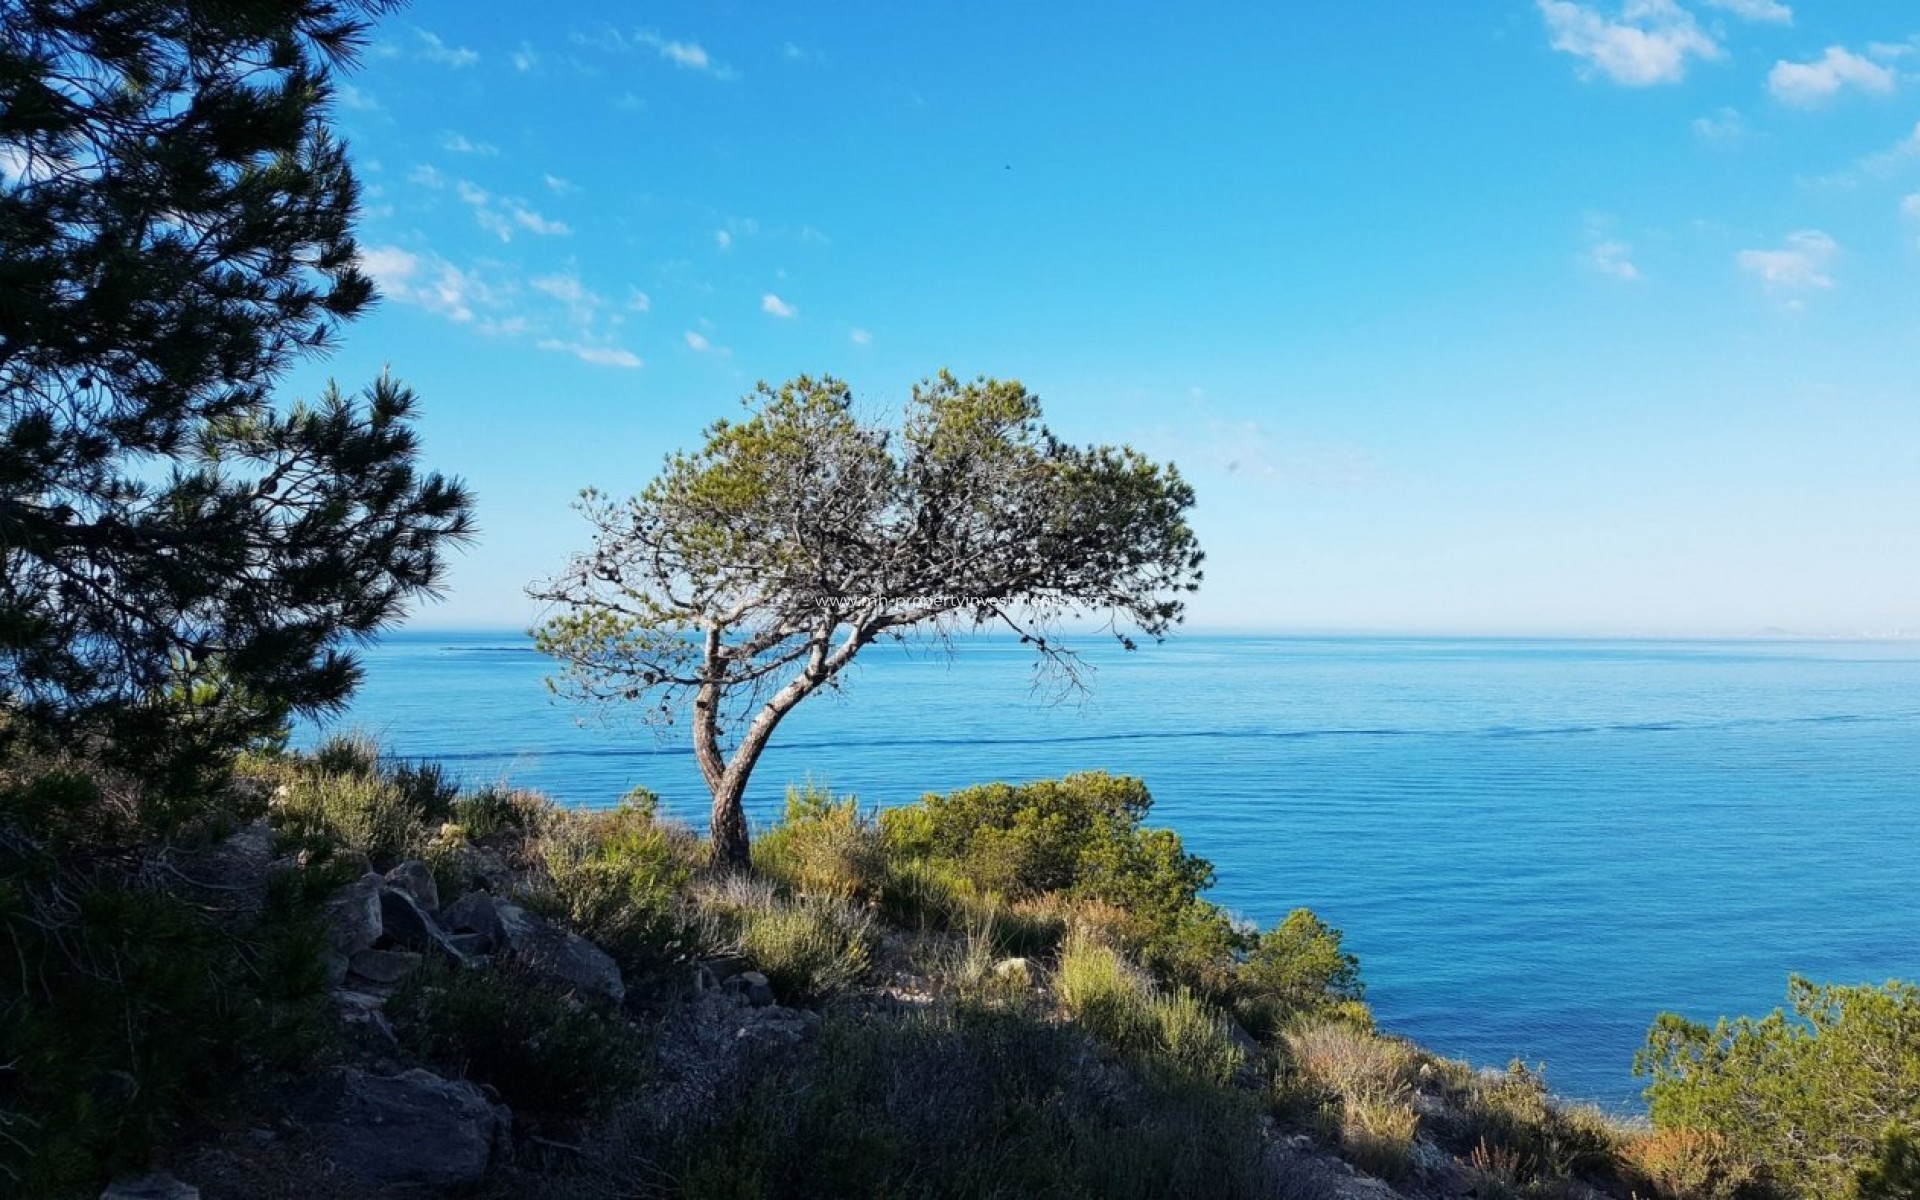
<point x="1691" y="1164"/>
<point x="323" y="811"/>
<point x="1119" y="1005"/>
<point x="811" y="949"/>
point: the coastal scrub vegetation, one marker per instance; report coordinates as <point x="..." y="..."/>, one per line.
<point x="750" y="572"/>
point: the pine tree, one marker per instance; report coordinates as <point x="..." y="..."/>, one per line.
<point x="175" y="235"/>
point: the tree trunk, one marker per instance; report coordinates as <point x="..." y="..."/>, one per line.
<point x="728" y="846"/>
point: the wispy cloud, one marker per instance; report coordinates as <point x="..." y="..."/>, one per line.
<point x="1614" y="259"/>
<point x="426" y="281"/>
<point x="1910" y="209"/>
<point x="1805" y="85"/>
<point x="638" y="301"/>
<point x="504" y="216"/>
<point x="355" y="98"/>
<point x="558" y="185"/>
<point x="459" y="143"/>
<point x="689" y="55"/>
<point x="859" y="336"/>
<point x="524" y="59"/>
<point x="1771" y="11"/>
<point x="1726" y="125"/>
<point x="1648" y="42"/>
<point x="1803" y="264"/>
<point x="723" y="239"/>
<point x="698" y="343"/>
<point x="601" y="356"/>
<point x="434" y="49"/>
<point x="775" y="306"/>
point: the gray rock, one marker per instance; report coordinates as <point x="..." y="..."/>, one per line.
<point x="725" y="966"/>
<point x="352" y="916"/>
<point x="408" y="924"/>
<point x="473" y="913"/>
<point x="416" y="880"/>
<point x="754" y="986"/>
<point x="559" y="954"/>
<point x="384" y="966"/>
<point x="473" y="945"/>
<point x="1014" y="970"/>
<point x="412" y="1130"/>
<point x="157" y="1186"/>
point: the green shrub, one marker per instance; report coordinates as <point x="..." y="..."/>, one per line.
<point x="324" y="811"/>
<point x="503" y="1027"/>
<point x="1813" y="1097"/>
<point x="811" y="949"/>
<point x="1118" y="1005"/>
<point x="1297" y="969"/>
<point x="823" y="847"/>
<point x="1078" y="837"/>
<point x="1895" y="1172"/>
<point x="498" y="809"/>
<point x="616" y="877"/>
<point x="123" y="1010"/>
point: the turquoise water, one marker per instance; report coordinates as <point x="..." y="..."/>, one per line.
<point x="1533" y="846"/>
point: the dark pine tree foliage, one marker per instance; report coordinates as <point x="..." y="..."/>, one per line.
<point x="175" y="234"/>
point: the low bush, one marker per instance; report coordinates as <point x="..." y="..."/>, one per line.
<point x="1690" y="1164"/>
<point x="809" y="950"/>
<point x="823" y="847"/>
<point x="500" y="1026"/>
<point x="1358" y="1086"/>
<point x="616" y="877"/>
<point x="1121" y="1007"/>
<point x="1297" y="970"/>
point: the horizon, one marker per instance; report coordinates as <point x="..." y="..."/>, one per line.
<point x="1551" y="318"/>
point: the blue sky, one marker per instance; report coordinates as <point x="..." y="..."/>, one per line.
<point x="1492" y="317"/>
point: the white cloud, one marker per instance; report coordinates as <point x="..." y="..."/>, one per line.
<point x="690" y="55"/>
<point x="859" y="336"/>
<point x="1807" y="84"/>
<point x="437" y="50"/>
<point x="426" y="281"/>
<point x="427" y="176"/>
<point x="567" y="288"/>
<point x="1727" y="125"/>
<point x="1756" y="10"/>
<point x="638" y="301"/>
<point x="1614" y="259"/>
<point x="460" y="144"/>
<point x="1800" y="265"/>
<point x="697" y="343"/>
<point x="773" y="304"/>
<point x="1649" y="41"/>
<point x="1910" y="209"/>
<point x="723" y="239"/>
<point x="356" y="99"/>
<point x="561" y="186"/>
<point x="533" y="222"/>
<point x="524" y="59"/>
<point x="601" y="356"/>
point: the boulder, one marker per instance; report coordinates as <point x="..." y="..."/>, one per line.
<point x="754" y="986"/>
<point x="560" y="954"/>
<point x="414" y="1130"/>
<point x="410" y="925"/>
<point x="416" y="880"/>
<point x="473" y="913"/>
<point x="352" y="916"/>
<point x="384" y="966"/>
<point x="157" y="1186"/>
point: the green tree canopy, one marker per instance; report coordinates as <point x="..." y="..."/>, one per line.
<point x="176" y="233"/>
<point x="750" y="572"/>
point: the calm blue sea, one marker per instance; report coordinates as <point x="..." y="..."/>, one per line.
<point x="1533" y="846"/>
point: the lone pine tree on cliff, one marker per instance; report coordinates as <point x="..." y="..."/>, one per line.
<point x="750" y="572"/>
<point x="175" y="234"/>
